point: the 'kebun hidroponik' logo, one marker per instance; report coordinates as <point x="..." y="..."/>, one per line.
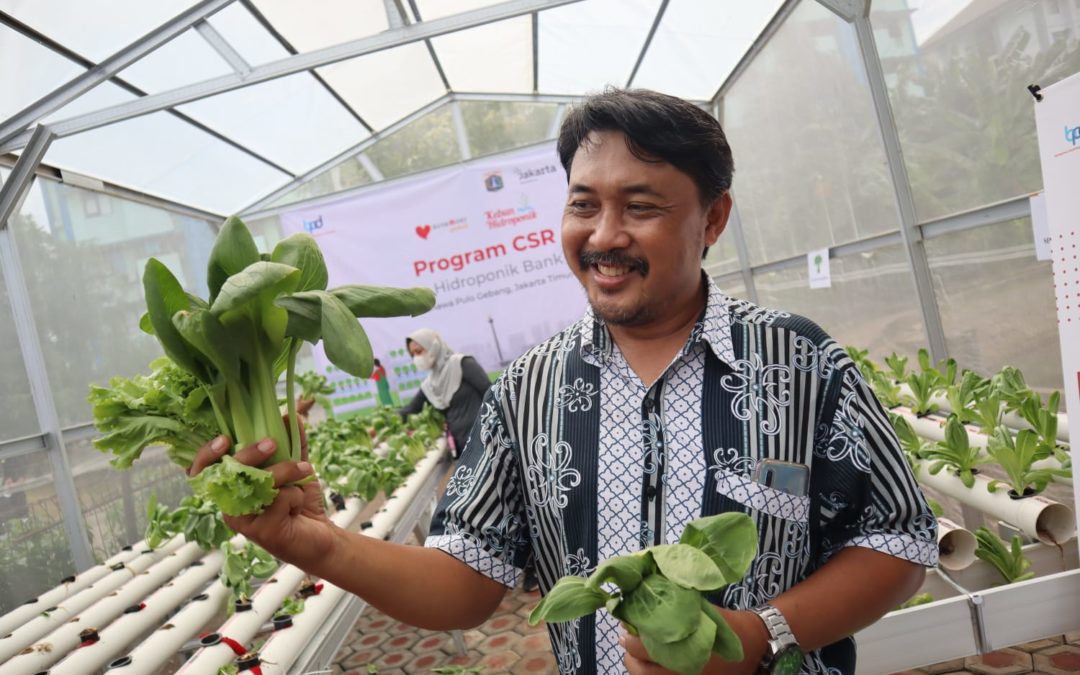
<point x="506" y="217"/>
<point x="452" y="225"/>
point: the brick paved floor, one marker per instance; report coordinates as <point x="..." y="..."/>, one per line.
<point x="507" y="644"/>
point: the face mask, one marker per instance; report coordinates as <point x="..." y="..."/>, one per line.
<point x="423" y="361"/>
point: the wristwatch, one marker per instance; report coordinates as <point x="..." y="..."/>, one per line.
<point x="783" y="656"/>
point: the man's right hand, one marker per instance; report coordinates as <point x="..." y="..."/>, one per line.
<point x="294" y="528"/>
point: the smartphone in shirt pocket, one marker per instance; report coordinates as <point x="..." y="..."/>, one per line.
<point x="787" y="477"/>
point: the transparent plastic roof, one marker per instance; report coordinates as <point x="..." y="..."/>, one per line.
<point x="255" y="143"/>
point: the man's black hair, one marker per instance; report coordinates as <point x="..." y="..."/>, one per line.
<point x="657" y="127"/>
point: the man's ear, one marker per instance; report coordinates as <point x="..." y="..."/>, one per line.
<point x="716" y="218"/>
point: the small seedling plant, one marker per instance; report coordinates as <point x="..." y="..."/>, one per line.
<point x="1009" y="560"/>
<point x="1017" y="457"/>
<point x="955" y="453"/>
<point x="659" y="593"/>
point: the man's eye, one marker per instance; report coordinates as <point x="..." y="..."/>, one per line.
<point x="641" y="208"/>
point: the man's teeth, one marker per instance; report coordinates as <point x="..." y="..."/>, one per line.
<point x="612" y="271"/>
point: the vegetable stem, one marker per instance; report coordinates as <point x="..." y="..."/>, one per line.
<point x="290" y="398"/>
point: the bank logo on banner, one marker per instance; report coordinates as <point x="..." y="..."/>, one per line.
<point x="313" y="224"/>
<point x="493" y="182"/>
<point x="1072" y="135"/>
<point x="451" y="225"/>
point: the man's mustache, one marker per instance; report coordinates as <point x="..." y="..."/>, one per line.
<point x="613" y="259"/>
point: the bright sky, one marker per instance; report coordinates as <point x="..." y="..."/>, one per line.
<point x="929" y="15"/>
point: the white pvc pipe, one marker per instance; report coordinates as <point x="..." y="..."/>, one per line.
<point x="1038" y="517"/>
<point x="282" y="647"/>
<point x="149" y="655"/>
<point x="129" y="627"/>
<point x="57" y="594"/>
<point x="43" y="624"/>
<point x="57" y="644"/>
<point x="243" y="626"/>
<point x="932" y="428"/>
<point x="956" y="545"/>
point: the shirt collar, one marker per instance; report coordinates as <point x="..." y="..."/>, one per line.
<point x="714" y="329"/>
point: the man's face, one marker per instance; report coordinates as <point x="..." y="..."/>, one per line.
<point x="633" y="232"/>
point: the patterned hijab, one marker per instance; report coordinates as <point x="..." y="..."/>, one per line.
<point x="445" y="376"/>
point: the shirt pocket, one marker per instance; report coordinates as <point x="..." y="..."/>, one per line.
<point x="763" y="499"/>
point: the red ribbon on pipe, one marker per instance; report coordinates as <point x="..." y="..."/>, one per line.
<point x="237" y="648"/>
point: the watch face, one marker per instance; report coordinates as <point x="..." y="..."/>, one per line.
<point x="787" y="662"/>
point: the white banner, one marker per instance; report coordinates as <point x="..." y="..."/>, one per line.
<point x="1057" y="119"/>
<point x="485" y="236"/>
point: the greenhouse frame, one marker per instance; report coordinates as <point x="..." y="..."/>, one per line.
<point x="896" y="138"/>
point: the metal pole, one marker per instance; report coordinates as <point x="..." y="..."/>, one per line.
<point x="80" y="84"/>
<point x="739" y="237"/>
<point x="460" y="131"/>
<point x="11" y="195"/>
<point x="495" y="336"/>
<point x="905" y="200"/>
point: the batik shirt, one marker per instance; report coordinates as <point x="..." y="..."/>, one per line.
<point x="573" y="460"/>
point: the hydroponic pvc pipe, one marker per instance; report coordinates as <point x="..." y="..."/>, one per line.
<point x="282" y="647"/>
<point x="243" y="626"/>
<point x="48" y="620"/>
<point x="130" y="625"/>
<point x="148" y="657"/>
<point x="1037" y="517"/>
<point x="932" y="428"/>
<point x="66" y="589"/>
<point x="956" y="545"/>
<point x="57" y="644"/>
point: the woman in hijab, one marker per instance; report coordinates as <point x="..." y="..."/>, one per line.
<point x="455" y="384"/>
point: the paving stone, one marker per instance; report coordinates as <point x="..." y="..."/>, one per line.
<point x="535" y="643"/>
<point x="368" y="640"/>
<point x="424" y="663"/>
<point x="500" y="662"/>
<point x="1059" y="659"/>
<point x="392" y="660"/>
<point x="361" y="658"/>
<point x="431" y="643"/>
<point x="400" y="643"/>
<point x="500" y="623"/>
<point x="532" y="663"/>
<point x="1001" y="662"/>
<point x="1039" y="645"/>
<point x="944" y="667"/>
<point x="499" y="642"/>
<point x="1073" y="637"/>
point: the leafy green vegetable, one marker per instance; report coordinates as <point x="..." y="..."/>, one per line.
<point x="689" y="655"/>
<point x="964" y="395"/>
<point x="730" y="539"/>
<point x="913" y="445"/>
<point x="238" y="344"/>
<point x="197" y="518"/>
<point x="897" y="366"/>
<point x="1010" y="387"/>
<point x="688" y="566"/>
<point x="955" y="452"/>
<point x="242" y="565"/>
<point x="917" y="599"/>
<point x="167" y="407"/>
<point x="1008" y="561"/>
<point x="292" y="606"/>
<point x="660" y="592"/>
<point x="313" y="387"/>
<point x="1017" y="456"/>
<point x="234" y="487"/>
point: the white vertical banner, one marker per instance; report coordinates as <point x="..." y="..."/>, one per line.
<point x="1057" y="119"/>
<point x="484" y="236"/>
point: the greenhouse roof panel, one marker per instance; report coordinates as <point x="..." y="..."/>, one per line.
<point x="94" y="28"/>
<point x="373" y="85"/>
<point x="699" y="42"/>
<point x="167" y="157"/>
<point x="28" y="71"/>
<point x="186" y="59"/>
<point x="589" y="45"/>
<point x="311" y="25"/>
<point x="434" y="9"/>
<point x="493" y="58"/>
<point x="293" y="121"/>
